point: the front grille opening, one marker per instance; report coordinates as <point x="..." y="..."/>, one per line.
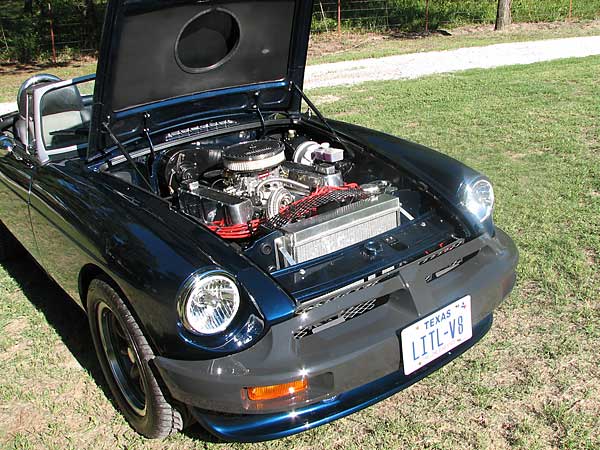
<point x="446" y="270"/>
<point x="341" y="317"/>
<point x="364" y="283"/>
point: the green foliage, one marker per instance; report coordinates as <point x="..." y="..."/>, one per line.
<point x="77" y="23"/>
<point x="26" y="48"/>
<point x="320" y="25"/>
<point x="550" y="10"/>
<point x="409" y="15"/>
<point x="26" y="37"/>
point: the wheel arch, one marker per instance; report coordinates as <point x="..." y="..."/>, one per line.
<point x="90" y="272"/>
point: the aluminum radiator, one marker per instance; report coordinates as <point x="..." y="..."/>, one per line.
<point x="326" y="233"/>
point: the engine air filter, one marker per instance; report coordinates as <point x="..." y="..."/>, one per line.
<point x="253" y="156"/>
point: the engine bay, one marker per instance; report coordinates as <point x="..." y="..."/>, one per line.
<point x="286" y="195"/>
<point x="235" y="189"/>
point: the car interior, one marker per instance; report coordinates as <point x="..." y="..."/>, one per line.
<point x="65" y="113"/>
<point x="65" y="117"/>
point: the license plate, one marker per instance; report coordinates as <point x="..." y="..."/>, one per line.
<point x="436" y="334"/>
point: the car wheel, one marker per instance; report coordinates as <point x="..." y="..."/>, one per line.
<point x="8" y="244"/>
<point x="124" y="356"/>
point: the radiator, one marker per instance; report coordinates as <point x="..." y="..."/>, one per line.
<point x="326" y="233"/>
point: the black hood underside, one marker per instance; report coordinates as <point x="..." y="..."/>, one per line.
<point x="160" y="53"/>
<point x="171" y="51"/>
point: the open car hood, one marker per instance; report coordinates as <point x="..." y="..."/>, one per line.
<point x="156" y="54"/>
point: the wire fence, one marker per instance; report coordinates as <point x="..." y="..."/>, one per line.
<point x="50" y="29"/>
<point x="71" y="30"/>
<point x="418" y="15"/>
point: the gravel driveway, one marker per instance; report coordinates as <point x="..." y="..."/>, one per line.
<point x="416" y="65"/>
<point x="421" y="64"/>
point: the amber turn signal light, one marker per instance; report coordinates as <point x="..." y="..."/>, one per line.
<point x="277" y="390"/>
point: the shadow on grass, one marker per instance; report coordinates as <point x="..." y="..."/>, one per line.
<point x="61" y="313"/>
<point x="32" y="67"/>
<point x="12" y="68"/>
<point x="71" y="324"/>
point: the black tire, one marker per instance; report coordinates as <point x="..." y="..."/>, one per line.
<point x="8" y="244"/>
<point x="119" y="340"/>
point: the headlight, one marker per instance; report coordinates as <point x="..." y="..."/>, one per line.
<point x="209" y="302"/>
<point x="478" y="198"/>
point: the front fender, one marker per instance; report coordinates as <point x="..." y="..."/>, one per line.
<point x="157" y="249"/>
<point x="148" y="249"/>
<point x="440" y="174"/>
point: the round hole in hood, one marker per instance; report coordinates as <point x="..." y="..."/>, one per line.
<point x="207" y="41"/>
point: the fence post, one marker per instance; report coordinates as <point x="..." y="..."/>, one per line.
<point x="339" y="16"/>
<point x="323" y="16"/>
<point x="426" y="16"/>
<point x="387" y="15"/>
<point x="4" y="38"/>
<point x="52" y="33"/>
<point x="570" y="9"/>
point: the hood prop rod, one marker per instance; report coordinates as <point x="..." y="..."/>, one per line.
<point x="323" y="120"/>
<point x="148" y="138"/>
<point x="126" y="154"/>
<point x="256" y="107"/>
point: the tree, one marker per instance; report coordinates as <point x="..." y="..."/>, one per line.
<point x="503" y="18"/>
<point x="91" y="20"/>
<point x="28" y="7"/>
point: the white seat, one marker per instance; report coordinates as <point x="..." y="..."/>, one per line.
<point x="63" y="111"/>
<point x="68" y="120"/>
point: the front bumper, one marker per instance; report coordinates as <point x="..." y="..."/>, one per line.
<point x="262" y="427"/>
<point x="351" y="365"/>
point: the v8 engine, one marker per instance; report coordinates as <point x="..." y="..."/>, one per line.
<point x="286" y="183"/>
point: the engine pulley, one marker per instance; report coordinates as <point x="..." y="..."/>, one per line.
<point x="278" y="200"/>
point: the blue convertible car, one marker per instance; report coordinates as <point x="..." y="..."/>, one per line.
<point x="243" y="264"/>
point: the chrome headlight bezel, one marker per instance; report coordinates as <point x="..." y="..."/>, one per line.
<point x="478" y="198"/>
<point x="190" y="293"/>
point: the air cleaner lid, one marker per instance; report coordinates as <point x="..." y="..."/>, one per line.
<point x="254" y="156"/>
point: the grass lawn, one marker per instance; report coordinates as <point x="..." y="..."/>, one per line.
<point x="12" y="77"/>
<point x="533" y="382"/>
<point x="329" y="47"/>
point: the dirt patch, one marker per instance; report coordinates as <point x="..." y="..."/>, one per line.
<point x="8" y="68"/>
<point x="346" y="113"/>
<point x="515" y="156"/>
<point x="326" y="99"/>
<point x="13" y="331"/>
<point x="529" y="289"/>
<point x="591" y="257"/>
<point x="16" y="326"/>
<point x="21" y="418"/>
<point x="65" y="358"/>
<point x="322" y="44"/>
<point x="526" y="27"/>
<point x="331" y="43"/>
<point x="14" y="351"/>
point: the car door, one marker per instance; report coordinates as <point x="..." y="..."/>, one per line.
<point x="58" y="197"/>
<point x="17" y="167"/>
